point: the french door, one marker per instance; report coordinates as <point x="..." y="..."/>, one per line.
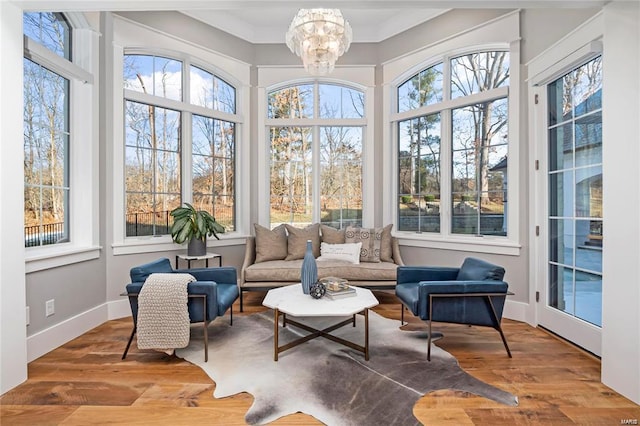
<point x="571" y="266"/>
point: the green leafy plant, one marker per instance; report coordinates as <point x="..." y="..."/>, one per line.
<point x="189" y="223"/>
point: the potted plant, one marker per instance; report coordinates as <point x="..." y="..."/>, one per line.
<point x="193" y="226"/>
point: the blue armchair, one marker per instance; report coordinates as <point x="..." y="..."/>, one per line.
<point x="473" y="294"/>
<point x="214" y="291"/>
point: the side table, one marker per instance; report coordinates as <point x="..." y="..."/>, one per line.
<point x="204" y="257"/>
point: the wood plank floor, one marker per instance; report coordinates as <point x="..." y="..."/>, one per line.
<point x="85" y="382"/>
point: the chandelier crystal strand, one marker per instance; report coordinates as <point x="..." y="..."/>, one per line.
<point x="319" y="37"/>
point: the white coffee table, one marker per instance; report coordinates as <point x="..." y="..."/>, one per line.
<point x="290" y="300"/>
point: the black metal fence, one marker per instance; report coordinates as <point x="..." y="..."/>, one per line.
<point x="153" y="223"/>
<point x="49" y="233"/>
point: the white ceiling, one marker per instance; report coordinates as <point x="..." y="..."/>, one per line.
<point x="269" y="24"/>
<point x="266" y="21"/>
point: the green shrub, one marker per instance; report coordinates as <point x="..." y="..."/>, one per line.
<point x="406" y="199"/>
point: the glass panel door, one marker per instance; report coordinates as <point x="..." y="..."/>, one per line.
<point x="575" y="221"/>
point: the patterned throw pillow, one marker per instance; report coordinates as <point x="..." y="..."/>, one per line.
<point x="270" y="244"/>
<point x="371" y="238"/>
<point x="297" y="241"/>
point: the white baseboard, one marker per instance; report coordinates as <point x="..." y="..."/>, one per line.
<point x="47" y="340"/>
<point x="517" y="311"/>
<point x="118" y="309"/>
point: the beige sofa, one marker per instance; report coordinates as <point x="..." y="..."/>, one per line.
<point x="275" y="273"/>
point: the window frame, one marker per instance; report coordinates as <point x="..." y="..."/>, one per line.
<point x="232" y="72"/>
<point x="315" y="125"/>
<point x="358" y="78"/>
<point x="83" y="157"/>
<point x="499" y="34"/>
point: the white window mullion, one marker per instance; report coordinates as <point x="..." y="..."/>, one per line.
<point x="186" y="152"/>
<point x="446" y="172"/>
<point x="316" y="170"/>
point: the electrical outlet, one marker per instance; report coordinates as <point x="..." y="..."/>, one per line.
<point x="50" y="307"/>
<point x="28" y="316"/>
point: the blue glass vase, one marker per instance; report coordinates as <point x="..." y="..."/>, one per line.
<point x="309" y="270"/>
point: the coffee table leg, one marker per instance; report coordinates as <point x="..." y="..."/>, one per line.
<point x="366" y="334"/>
<point x="275" y="334"/>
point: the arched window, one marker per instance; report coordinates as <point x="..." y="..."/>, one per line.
<point x="316" y="134"/>
<point x="168" y="126"/>
<point x="459" y="107"/>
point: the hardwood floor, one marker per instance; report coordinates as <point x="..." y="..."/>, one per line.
<point x="85" y="382"/>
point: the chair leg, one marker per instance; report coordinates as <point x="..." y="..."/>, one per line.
<point x="206" y="341"/>
<point x="429" y="341"/>
<point x="231" y="315"/>
<point x="133" y="333"/>
<point x="498" y="326"/>
<point x="241" y="305"/>
<point x="429" y="322"/>
<point x="205" y="330"/>
<point x="504" y="340"/>
<point x="401" y="314"/>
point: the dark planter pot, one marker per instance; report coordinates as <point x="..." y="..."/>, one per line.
<point x="197" y="247"/>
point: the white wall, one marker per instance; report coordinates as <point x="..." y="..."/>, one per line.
<point x="13" y="334"/>
<point x="621" y="155"/>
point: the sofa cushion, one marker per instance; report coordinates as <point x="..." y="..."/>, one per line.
<point x="270" y="244"/>
<point x="289" y="271"/>
<point x="386" y="247"/>
<point x="473" y="269"/>
<point x="332" y="235"/>
<point x="349" y="252"/>
<point x="297" y="241"/>
<point x="370" y="239"/>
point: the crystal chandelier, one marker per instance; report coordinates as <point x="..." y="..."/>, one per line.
<point x="319" y="37"/>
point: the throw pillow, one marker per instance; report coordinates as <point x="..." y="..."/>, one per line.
<point x="349" y="252"/>
<point x="270" y="244"/>
<point x="332" y="235"/>
<point x="370" y="239"/>
<point x="297" y="241"/>
<point x="386" y="248"/>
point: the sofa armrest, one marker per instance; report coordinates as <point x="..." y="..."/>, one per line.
<point x="249" y="256"/>
<point x="395" y="249"/>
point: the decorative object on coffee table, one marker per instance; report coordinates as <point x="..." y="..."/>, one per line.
<point x="309" y="270"/>
<point x="317" y="290"/>
<point x="193" y="226"/>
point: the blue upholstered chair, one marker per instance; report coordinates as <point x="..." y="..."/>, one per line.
<point x="213" y="292"/>
<point x="473" y="294"/>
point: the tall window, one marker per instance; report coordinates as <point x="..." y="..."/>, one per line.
<point x="167" y="127"/>
<point x="316" y="142"/>
<point x="46" y="132"/>
<point x="469" y="93"/>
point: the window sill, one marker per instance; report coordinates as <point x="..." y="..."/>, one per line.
<point x="164" y="244"/>
<point x="40" y="259"/>
<point x="490" y="245"/>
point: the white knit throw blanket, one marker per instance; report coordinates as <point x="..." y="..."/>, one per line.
<point x="163" y="316"/>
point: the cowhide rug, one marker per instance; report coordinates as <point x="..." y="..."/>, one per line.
<point x="327" y="380"/>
